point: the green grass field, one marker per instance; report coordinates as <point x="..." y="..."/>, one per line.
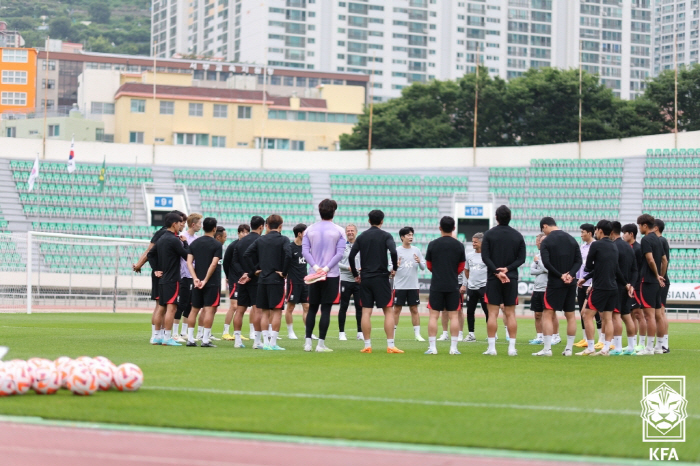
<point x="583" y="406"/>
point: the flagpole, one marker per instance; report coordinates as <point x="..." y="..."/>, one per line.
<point x="371" y="113"/>
<point x="476" y="109"/>
<point x="675" y="92"/>
<point x="264" y="109"/>
<point x="154" y="103"/>
<point x="72" y="210"/>
<point x="580" y="95"/>
<point x="46" y="87"/>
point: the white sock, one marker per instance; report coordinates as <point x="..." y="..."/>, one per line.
<point x="237" y="336"/>
<point x="642" y="340"/>
<point x="601" y="337"/>
<point x="200" y="332"/>
<point x="206" y="336"/>
<point x="252" y="328"/>
<point x="190" y="335"/>
<point x="161" y="333"/>
<point x="650" y="343"/>
<point x="184" y="329"/>
<point x="453" y="343"/>
<point x="617" y="341"/>
<point x="360" y="335"/>
<point x="507" y="334"/>
<point x="658" y="343"/>
<point x="176" y="329"/>
<point x="273" y="339"/>
<point x="547" y="343"/>
<point x="308" y="341"/>
<point x="416" y="329"/>
<point x="269" y="328"/>
<point x="471" y="333"/>
<point x="540" y="336"/>
<point x="290" y="328"/>
<point x="444" y="333"/>
<point x="256" y="337"/>
<point x="492" y="343"/>
<point x="153" y="330"/>
<point x="591" y="344"/>
<point x="664" y="342"/>
<point x="368" y="343"/>
<point x="511" y="344"/>
<point x="389" y="342"/>
<point x="570" y="342"/>
<point x="606" y="347"/>
<point x="266" y="337"/>
<point x="227" y="328"/>
<point x="321" y="343"/>
<point x="168" y="334"/>
<point x="631" y="342"/>
<point x="461" y="335"/>
<point x="431" y="343"/>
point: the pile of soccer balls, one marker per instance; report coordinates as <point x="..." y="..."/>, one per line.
<point x="82" y="376"/>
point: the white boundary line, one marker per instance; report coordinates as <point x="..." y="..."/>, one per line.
<point x="459" y="404"/>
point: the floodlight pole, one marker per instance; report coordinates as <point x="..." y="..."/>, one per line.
<point x="476" y="110"/>
<point x="580" y="95"/>
<point x="371" y="113"/>
<point x="46" y="87"/>
<point x="154" y="101"/>
<point x="675" y="92"/>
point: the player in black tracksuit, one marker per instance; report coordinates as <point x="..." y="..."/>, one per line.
<point x="602" y="265"/>
<point x="248" y="292"/>
<point x="628" y="267"/>
<point x="375" y="289"/>
<point x="232" y="281"/>
<point x="503" y="251"/>
<point x="271" y="255"/>
<point x="297" y="290"/>
<point x="168" y="250"/>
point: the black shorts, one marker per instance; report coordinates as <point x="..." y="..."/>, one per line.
<point x="168" y="293"/>
<point x="297" y="293"/>
<point x="445" y="300"/>
<point x="623" y="302"/>
<point x="501" y="293"/>
<point x="348" y="290"/>
<point x="184" y="303"/>
<point x="537" y="301"/>
<point x="561" y="299"/>
<point x="475" y="297"/>
<point x="247" y="294"/>
<point x="663" y="294"/>
<point x="650" y="295"/>
<point x="325" y="292"/>
<point x="209" y="296"/>
<point x="233" y="290"/>
<point x="636" y="302"/>
<point x="270" y="296"/>
<point x="376" y="292"/>
<point x="406" y="298"/>
<point x="602" y="300"/>
<point x="155" y="291"/>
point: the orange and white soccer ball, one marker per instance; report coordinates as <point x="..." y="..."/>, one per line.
<point x="104" y="374"/>
<point x="47" y="380"/>
<point x="7" y="383"/>
<point x="63" y="368"/>
<point x="128" y="377"/>
<point x="81" y="380"/>
<point x="21" y="373"/>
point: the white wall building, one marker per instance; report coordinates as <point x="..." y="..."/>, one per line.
<point x="404" y="41"/>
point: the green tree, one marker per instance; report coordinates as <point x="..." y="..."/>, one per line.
<point x="660" y="91"/>
<point x="99" y="12"/>
<point x="60" y="28"/>
<point x="100" y="44"/>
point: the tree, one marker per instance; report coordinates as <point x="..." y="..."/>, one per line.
<point x="661" y="90"/>
<point x="99" y="12"/>
<point x="60" y="28"/>
<point x="100" y="44"/>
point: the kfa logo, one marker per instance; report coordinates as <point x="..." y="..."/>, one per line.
<point x="302" y="260"/>
<point x="664" y="409"/>
<point x="662" y="454"/>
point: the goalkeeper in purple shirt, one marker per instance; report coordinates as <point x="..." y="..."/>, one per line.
<point x="323" y="246"/>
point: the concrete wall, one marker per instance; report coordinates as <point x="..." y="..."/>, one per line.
<point x="202" y="157"/>
<point x="75" y="124"/>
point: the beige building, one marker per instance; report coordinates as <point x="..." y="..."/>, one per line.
<point x="64" y="128"/>
<point x="228" y="118"/>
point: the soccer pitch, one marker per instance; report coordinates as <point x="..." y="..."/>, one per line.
<point x="582" y="406"/>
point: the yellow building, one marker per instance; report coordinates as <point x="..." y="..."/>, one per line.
<point x="197" y="116"/>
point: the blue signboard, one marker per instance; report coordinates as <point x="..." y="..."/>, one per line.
<point x="473" y="211"/>
<point x="163" y="201"/>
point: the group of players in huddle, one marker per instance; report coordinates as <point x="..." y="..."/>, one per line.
<point x="615" y="279"/>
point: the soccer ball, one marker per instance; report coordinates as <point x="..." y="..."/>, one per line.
<point x="103" y="374"/>
<point x="63" y="367"/>
<point x="21" y="373"/>
<point x="87" y="360"/>
<point x="47" y="380"/>
<point x="81" y="380"/>
<point x="128" y="378"/>
<point x="7" y="383"/>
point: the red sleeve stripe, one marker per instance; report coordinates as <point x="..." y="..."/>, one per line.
<point x="430" y="265"/>
<point x="460" y="267"/>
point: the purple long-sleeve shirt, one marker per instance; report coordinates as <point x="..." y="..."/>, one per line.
<point x="323" y="245"/>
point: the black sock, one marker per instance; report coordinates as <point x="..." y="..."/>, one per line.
<point x="311" y="319"/>
<point x="325" y="321"/>
<point x="342" y="315"/>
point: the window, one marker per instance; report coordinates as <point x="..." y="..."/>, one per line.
<point x="196" y="110"/>
<point x="220" y="111"/>
<point x="218" y="141"/>
<point x="244" y="113"/>
<point x="14" y="98"/>
<point x="52" y="84"/>
<point x="298" y="145"/>
<point x="14" y="77"/>
<point x="14" y="56"/>
<point x="102" y="108"/>
<point x="54" y="130"/>
<point x="167" y="107"/>
<point x="52" y="65"/>
<point x="99" y="134"/>
<point x="11" y="132"/>
<point x="138" y="106"/>
<point x="136" y="137"/>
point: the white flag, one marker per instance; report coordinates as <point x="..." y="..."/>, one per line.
<point x="71" y="157"/>
<point x="34" y="174"/>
